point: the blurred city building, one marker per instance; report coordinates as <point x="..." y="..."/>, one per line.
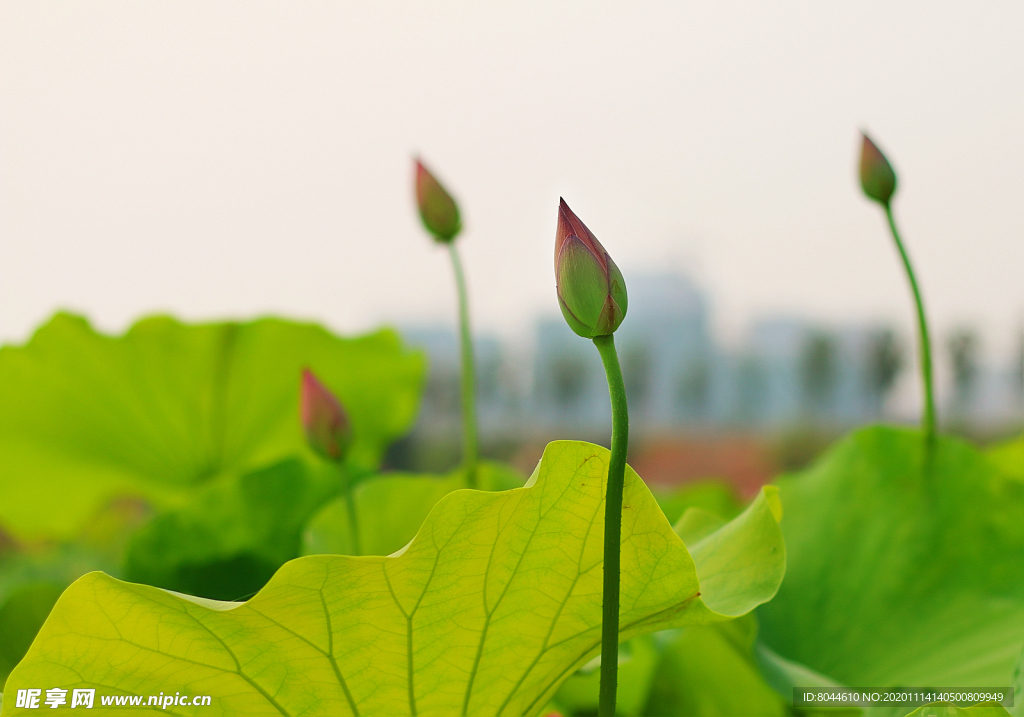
<point x="785" y="372"/>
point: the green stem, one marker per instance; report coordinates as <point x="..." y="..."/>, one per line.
<point x="348" y="479"/>
<point x="928" y="420"/>
<point x="469" y="446"/>
<point x="612" y="526"/>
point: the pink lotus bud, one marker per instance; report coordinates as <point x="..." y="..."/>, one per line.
<point x="591" y="291"/>
<point x="438" y="210"/>
<point x="876" y="176"/>
<point x="327" y="427"/>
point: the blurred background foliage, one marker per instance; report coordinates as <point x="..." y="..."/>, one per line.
<point x="214" y="488"/>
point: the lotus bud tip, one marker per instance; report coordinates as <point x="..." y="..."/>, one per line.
<point x="590" y="287"/>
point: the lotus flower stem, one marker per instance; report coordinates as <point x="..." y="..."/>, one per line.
<point x="350" y="503"/>
<point x="592" y="297"/>
<point x="878" y="181"/>
<point x="612" y="526"/>
<point x="928" y="420"/>
<point x="441" y="218"/>
<point x="469" y="440"/>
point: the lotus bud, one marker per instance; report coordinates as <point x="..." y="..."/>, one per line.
<point x="591" y="291"/>
<point x="325" y="422"/>
<point x="876" y="176"/>
<point x="438" y="210"/>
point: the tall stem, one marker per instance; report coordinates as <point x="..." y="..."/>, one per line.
<point x="348" y="478"/>
<point x="469" y="445"/>
<point x="612" y="527"/>
<point x="928" y="420"/>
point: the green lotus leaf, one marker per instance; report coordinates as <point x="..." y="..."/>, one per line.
<point x="1018" y="688"/>
<point x="485" y="612"/>
<point x="710" y="671"/>
<point x="390" y="509"/>
<point x="900" y="574"/>
<point x="948" y="709"/>
<point x="231" y="538"/>
<point x="1009" y="457"/>
<point x="168" y="407"/>
<point x="784" y="675"/>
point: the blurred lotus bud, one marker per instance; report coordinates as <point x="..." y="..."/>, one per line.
<point x="591" y="291"/>
<point x="876" y="176"/>
<point x="438" y="210"/>
<point x="7" y="542"/>
<point x="327" y="427"/>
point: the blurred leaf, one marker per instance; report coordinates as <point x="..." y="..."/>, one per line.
<point x="390" y="509"/>
<point x="732" y="558"/>
<point x="713" y="496"/>
<point x="948" y="709"/>
<point x="227" y="542"/>
<point x="33" y="577"/>
<point x="898" y="577"/>
<point x="21" y="617"/>
<point x="1018" y="687"/>
<point x="29" y="586"/>
<point x="168" y="407"/>
<point x="1009" y="457"/>
<point x="783" y="675"/>
<point x="496" y="600"/>
<point x="709" y="671"/>
<point x="696" y="524"/>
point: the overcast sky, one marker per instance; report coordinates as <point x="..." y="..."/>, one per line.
<point x="231" y="159"/>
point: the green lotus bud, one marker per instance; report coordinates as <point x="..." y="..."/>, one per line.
<point x="325" y="422"/>
<point x="438" y="210"/>
<point x="591" y="291"/>
<point x="876" y="176"/>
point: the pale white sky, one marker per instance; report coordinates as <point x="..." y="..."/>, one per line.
<point x="218" y="159"/>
